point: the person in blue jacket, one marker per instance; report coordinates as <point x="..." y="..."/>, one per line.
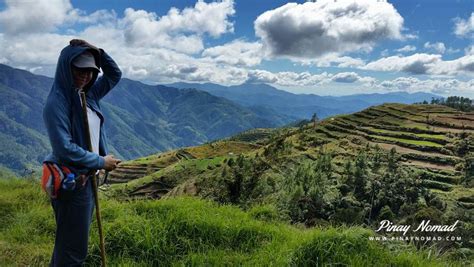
<point x="77" y="69"/>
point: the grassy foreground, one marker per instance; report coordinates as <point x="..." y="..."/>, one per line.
<point x="189" y="231"/>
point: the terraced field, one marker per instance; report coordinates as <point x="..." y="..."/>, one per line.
<point x="145" y="176"/>
<point x="430" y="140"/>
<point x="423" y="135"/>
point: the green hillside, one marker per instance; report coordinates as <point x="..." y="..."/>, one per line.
<point x="405" y="163"/>
<point x="192" y="232"/>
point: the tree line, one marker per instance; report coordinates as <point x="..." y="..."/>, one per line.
<point x="456" y="102"/>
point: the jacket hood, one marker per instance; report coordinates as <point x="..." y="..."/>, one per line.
<point x="63" y="80"/>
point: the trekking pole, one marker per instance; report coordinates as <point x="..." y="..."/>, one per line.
<point x="94" y="178"/>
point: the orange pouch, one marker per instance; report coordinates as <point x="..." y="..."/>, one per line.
<point x="53" y="177"/>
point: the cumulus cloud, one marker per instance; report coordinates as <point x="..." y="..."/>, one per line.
<point x="237" y="52"/>
<point x="317" y="28"/>
<point x="362" y="83"/>
<point x="19" y="52"/>
<point x="178" y="30"/>
<point x="289" y="78"/>
<point x="333" y="60"/>
<point x="424" y="64"/>
<point x="406" y="48"/>
<point x="464" y="27"/>
<point x="306" y="79"/>
<point x="437" y="86"/>
<point x="99" y="16"/>
<point x="45" y="16"/>
<point x="346" y="77"/>
<point x="147" y="47"/>
<point x="437" y="47"/>
<point x="261" y="76"/>
<point x="416" y="64"/>
<point x="18" y="17"/>
<point x="463" y="64"/>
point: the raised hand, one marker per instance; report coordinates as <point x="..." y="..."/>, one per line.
<point x="80" y="42"/>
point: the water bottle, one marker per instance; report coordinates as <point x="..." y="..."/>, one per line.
<point x="69" y="183"/>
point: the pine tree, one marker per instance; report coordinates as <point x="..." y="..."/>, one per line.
<point x="468" y="170"/>
<point x="377" y="159"/>
<point x="392" y="160"/>
<point x="360" y="175"/>
<point x="315" y="119"/>
<point x="349" y="172"/>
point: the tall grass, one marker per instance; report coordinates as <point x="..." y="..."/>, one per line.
<point x="189" y="231"/>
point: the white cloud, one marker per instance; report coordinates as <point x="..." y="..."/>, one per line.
<point x="306" y="79"/>
<point x="99" y="16"/>
<point x="451" y="50"/>
<point x="18" y="17"/>
<point x="469" y="50"/>
<point x="346" y="77"/>
<point x="332" y="60"/>
<point x="178" y="30"/>
<point x="437" y="47"/>
<point x="406" y="48"/>
<point x="416" y="64"/>
<point x="261" y="76"/>
<point x="19" y="51"/>
<point x="45" y="16"/>
<point x="164" y="57"/>
<point x="289" y="78"/>
<point x="437" y="86"/>
<point x="464" y="27"/>
<point x="317" y="28"/>
<point x="362" y="83"/>
<point x="423" y="64"/>
<point x="237" y="52"/>
<point x="463" y="64"/>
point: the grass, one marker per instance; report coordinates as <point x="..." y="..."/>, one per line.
<point x="163" y="159"/>
<point x="408" y="141"/>
<point x="436" y="136"/>
<point x="189" y="231"/>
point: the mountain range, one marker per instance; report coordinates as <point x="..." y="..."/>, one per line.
<point x="143" y="119"/>
<point x="140" y="119"/>
<point x="301" y="106"/>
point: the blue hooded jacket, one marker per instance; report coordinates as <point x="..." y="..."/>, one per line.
<point x="62" y="113"/>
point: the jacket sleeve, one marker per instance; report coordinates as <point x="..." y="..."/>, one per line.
<point x="55" y="116"/>
<point x="109" y="79"/>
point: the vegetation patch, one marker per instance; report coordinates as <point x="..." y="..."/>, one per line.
<point x="191" y="231"/>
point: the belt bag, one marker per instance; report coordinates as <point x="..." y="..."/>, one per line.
<point x="54" y="176"/>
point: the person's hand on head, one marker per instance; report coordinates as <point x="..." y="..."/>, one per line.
<point x="111" y="162"/>
<point x="80" y="42"/>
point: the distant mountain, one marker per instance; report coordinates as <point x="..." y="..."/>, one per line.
<point x="302" y="106"/>
<point x="140" y="119"/>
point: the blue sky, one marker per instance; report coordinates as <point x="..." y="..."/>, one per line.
<point x="324" y="47"/>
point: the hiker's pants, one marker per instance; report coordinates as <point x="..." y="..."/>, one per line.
<point x="73" y="212"/>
